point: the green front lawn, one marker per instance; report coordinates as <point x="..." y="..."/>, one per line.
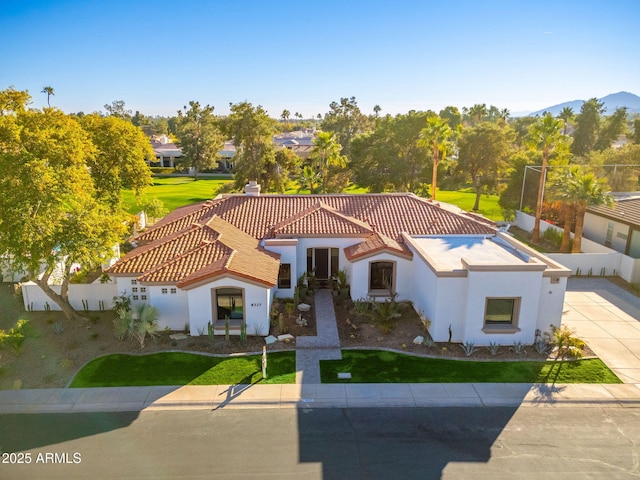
<point x="176" y="192"/>
<point x="176" y="368"/>
<point x="376" y="366"/>
<point x="465" y="198"/>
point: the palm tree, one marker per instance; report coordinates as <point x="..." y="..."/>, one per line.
<point x="544" y="135"/>
<point x="49" y="91"/>
<point x="435" y="136"/>
<point x="309" y="178"/>
<point x="326" y="152"/>
<point x="581" y="190"/>
<point x="478" y="112"/>
<point x="376" y="110"/>
<point x="285" y="119"/>
<point x="566" y="115"/>
<point x="505" y="114"/>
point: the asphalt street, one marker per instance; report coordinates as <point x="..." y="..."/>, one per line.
<point x="363" y="443"/>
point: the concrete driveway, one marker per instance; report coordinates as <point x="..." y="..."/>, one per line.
<point x="608" y="319"/>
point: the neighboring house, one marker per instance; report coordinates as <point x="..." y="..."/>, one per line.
<point x="230" y="256"/>
<point x="167" y="153"/>
<point x="617" y="227"/>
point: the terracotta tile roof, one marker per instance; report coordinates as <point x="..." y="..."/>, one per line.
<point x="321" y="220"/>
<point x="201" y="252"/>
<point x="388" y="214"/>
<point x="374" y="243"/>
<point x="222" y="236"/>
<point x="150" y="255"/>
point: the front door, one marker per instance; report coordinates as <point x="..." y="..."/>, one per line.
<point x="322" y="263"/>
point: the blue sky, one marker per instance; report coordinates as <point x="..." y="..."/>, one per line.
<point x="156" y="56"/>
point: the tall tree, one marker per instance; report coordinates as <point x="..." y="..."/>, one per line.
<point x="119" y="163"/>
<point x="252" y="131"/>
<point x="453" y="117"/>
<point x="635" y="135"/>
<point x="588" y="124"/>
<point x="435" y="136"/>
<point x="48" y="211"/>
<point x="326" y="153"/>
<point x="49" y="91"/>
<point x="285" y="119"/>
<point x="198" y="137"/>
<point x="345" y="120"/>
<point x="483" y="154"/>
<point x="117" y="108"/>
<point x="612" y="127"/>
<point x="567" y="116"/>
<point x="376" y="110"/>
<point x="13" y="101"/>
<point x="477" y="113"/>
<point x="544" y="136"/>
<point x="388" y="158"/>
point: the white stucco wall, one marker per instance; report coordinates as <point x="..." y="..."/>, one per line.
<point x="506" y="284"/>
<point x="595" y="228"/>
<point x="288" y="250"/>
<point x="551" y="303"/>
<point x="172" y="307"/>
<point x="257" y="303"/>
<point x="359" y="276"/>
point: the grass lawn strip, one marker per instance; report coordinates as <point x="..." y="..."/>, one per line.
<point x="178" y="368"/>
<point x="377" y="366"/>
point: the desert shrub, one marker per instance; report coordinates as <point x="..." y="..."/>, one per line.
<point x="137" y="323"/>
<point x="567" y="343"/>
<point x="14" y="338"/>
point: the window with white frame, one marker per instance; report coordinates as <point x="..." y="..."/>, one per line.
<point x="165" y="291"/>
<point x="174" y="290"/>
<point x="134" y="282"/>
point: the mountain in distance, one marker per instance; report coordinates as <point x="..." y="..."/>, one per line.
<point x="611" y="102"/>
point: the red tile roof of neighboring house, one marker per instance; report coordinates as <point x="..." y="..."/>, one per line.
<point x="222" y="235"/>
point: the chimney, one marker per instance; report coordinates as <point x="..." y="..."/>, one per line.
<point x="252" y="188"/>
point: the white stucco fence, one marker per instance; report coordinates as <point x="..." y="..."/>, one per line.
<point x="99" y="296"/>
<point x="595" y="259"/>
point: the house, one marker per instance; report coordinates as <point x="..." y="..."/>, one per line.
<point x="167" y="153"/>
<point x="227" y="258"/>
<point x="616" y="227"/>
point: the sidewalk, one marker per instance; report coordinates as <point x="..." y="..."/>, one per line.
<point x="325" y="345"/>
<point x="215" y="397"/>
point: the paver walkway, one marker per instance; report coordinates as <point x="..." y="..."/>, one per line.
<point x="608" y="319"/>
<point x="324" y="346"/>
